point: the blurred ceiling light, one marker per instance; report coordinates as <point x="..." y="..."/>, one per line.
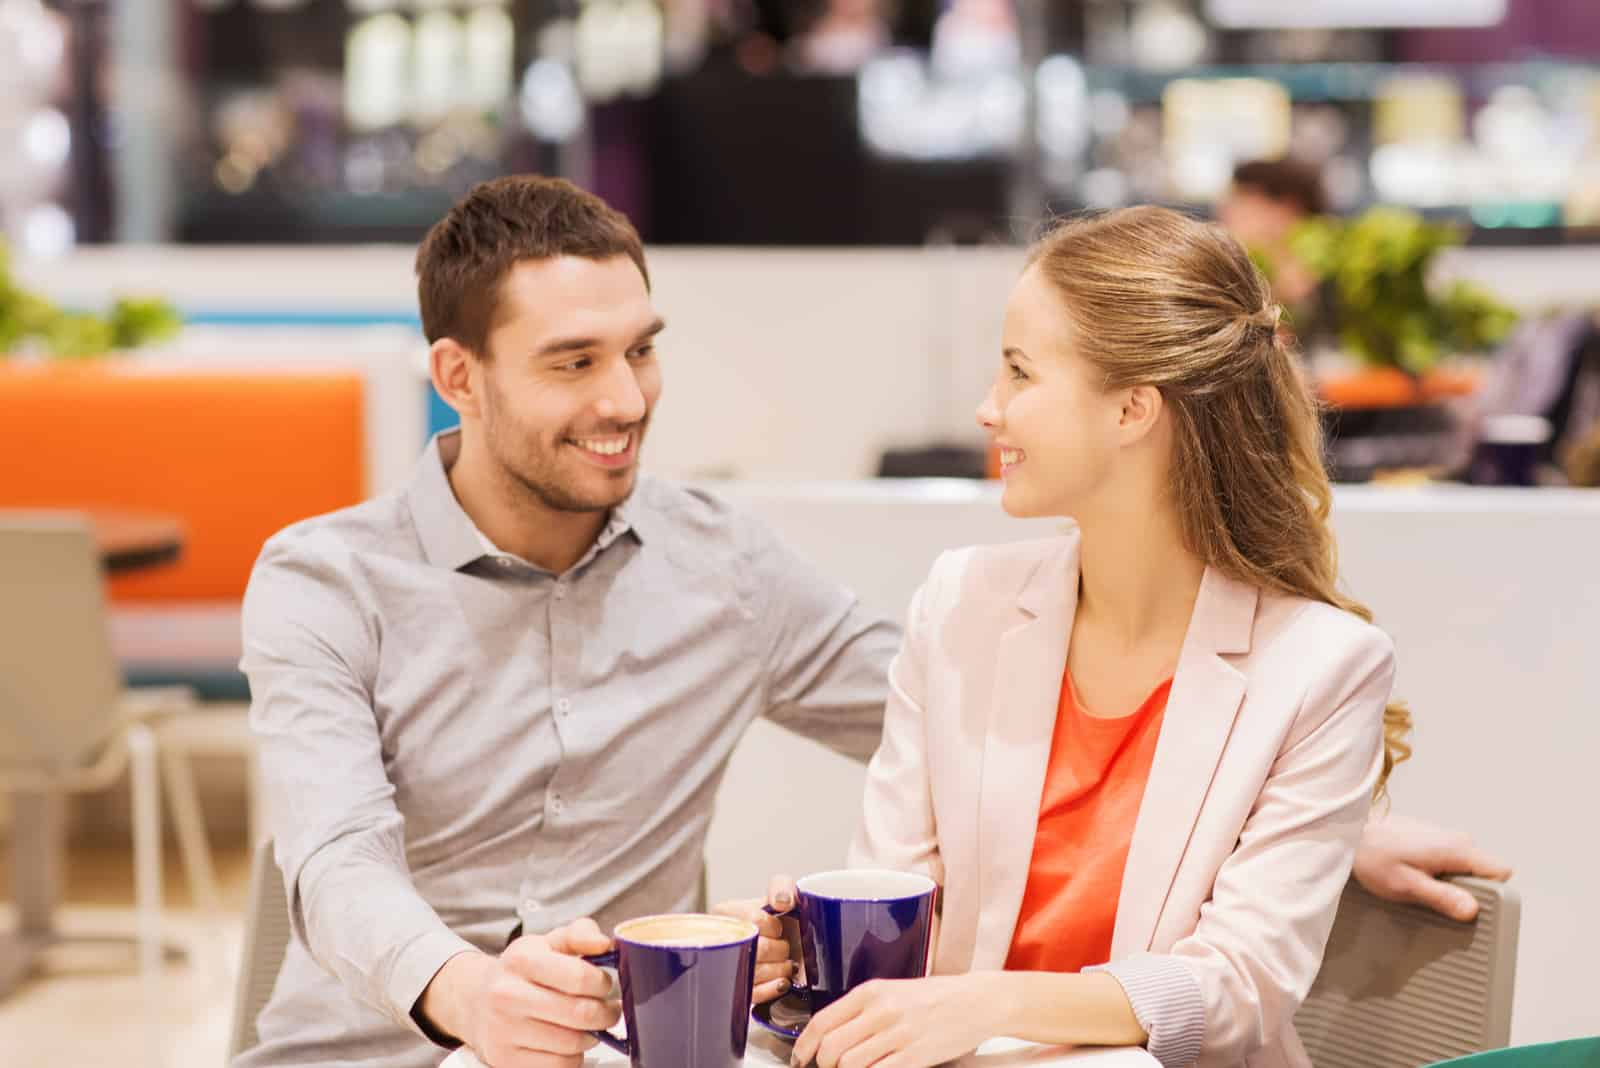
<point x="1238" y="14"/>
<point x="552" y="108"/>
<point x="1165" y="36"/>
<point x="47" y="139"/>
<point x="618" y="46"/>
<point x="279" y="5"/>
<point x="377" y="56"/>
<point x="1063" y="107"/>
<point x="31" y="48"/>
<point x="1209" y="124"/>
<point x="48" y="231"/>
<point x="491" y="55"/>
<point x="905" y="112"/>
<point x="438" y="48"/>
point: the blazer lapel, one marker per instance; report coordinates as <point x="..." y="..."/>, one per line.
<point x="1029" y="662"/>
<point x="1206" y="693"/>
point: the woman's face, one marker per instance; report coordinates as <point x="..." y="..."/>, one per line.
<point x="1058" y="431"/>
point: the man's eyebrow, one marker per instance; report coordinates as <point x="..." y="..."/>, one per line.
<point x="579" y="344"/>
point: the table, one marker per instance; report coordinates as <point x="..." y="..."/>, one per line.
<point x="132" y="541"/>
<point x="767" y="1051"/>
<point x="127" y="541"/>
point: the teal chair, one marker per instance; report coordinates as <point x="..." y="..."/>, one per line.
<point x="1577" y="1053"/>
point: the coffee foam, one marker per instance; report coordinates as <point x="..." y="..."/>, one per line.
<point x="686" y="931"/>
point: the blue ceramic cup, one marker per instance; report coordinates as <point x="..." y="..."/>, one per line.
<point x="860" y="925"/>
<point x="686" y="982"/>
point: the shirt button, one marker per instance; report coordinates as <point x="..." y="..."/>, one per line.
<point x="557" y="805"/>
<point x="561" y="592"/>
<point x="563" y="706"/>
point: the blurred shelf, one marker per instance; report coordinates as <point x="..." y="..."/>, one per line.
<point x="1339" y="82"/>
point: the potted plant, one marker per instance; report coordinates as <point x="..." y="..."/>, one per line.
<point x="32" y="324"/>
<point x="1384" y="313"/>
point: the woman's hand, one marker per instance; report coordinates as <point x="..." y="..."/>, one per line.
<point x="776" y="966"/>
<point x="901" y="1023"/>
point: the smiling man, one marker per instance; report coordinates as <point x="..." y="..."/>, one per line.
<point x="507" y="693"/>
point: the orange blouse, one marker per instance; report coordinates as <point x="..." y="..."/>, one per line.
<point x="1092" y="789"/>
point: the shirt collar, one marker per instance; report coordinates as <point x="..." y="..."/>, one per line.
<point x="450" y="538"/>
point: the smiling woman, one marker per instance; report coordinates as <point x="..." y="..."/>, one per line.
<point x="536" y="303"/>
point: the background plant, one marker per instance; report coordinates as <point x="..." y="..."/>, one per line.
<point x="30" y="322"/>
<point x="1383" y="308"/>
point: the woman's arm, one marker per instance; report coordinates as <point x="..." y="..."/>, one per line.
<point x="1232" y="985"/>
<point x="897" y="829"/>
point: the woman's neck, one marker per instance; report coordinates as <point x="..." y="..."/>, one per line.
<point x="1137" y="579"/>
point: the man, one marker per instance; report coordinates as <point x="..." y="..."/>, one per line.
<point x="1267" y="199"/>
<point x="507" y="693"/>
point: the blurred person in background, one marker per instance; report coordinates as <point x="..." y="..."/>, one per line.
<point x="1261" y="208"/>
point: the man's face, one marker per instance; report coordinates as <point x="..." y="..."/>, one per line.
<point x="570" y="379"/>
<point x="1256" y="220"/>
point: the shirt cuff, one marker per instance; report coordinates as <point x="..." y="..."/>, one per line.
<point x="414" y="969"/>
<point x="1168" y="1002"/>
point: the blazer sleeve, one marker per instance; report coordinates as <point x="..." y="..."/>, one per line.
<point x="1236" y="982"/>
<point x="897" y="829"/>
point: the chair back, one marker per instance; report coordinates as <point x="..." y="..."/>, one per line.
<point x="59" y="683"/>
<point x="1402" y="986"/>
<point x="266" y="939"/>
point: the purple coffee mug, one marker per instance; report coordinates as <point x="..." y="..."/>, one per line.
<point x="859" y="925"/>
<point x="686" y="983"/>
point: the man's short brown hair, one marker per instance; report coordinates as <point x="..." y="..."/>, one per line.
<point x="1286" y="179"/>
<point x="467" y="254"/>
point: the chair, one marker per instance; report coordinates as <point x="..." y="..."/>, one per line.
<point x="266" y="939"/>
<point x="1575" y="1053"/>
<point x="1402" y="986"/>
<point x="67" y="726"/>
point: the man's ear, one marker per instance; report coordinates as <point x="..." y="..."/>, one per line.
<point x="454" y="370"/>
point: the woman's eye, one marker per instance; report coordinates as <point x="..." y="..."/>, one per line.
<point x="644" y="352"/>
<point x="1016" y="373"/>
<point x="580" y="364"/>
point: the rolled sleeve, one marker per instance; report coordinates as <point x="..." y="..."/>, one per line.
<point x="1168" y="1002"/>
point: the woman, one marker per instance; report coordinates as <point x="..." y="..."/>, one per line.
<point x="1137" y="757"/>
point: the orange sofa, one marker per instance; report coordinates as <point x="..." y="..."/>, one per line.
<point x="234" y="454"/>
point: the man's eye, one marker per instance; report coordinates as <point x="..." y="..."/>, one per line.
<point x="580" y="364"/>
<point x="644" y="352"/>
<point x="1017" y="373"/>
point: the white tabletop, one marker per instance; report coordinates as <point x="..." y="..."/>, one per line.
<point x="767" y="1051"/>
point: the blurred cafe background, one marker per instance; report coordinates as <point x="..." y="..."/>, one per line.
<point x="208" y="330"/>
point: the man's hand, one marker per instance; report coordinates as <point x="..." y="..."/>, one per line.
<point x="775" y="963"/>
<point x="531" y="1007"/>
<point x="1401" y="860"/>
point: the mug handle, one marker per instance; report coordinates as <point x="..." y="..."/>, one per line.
<point x="794" y="987"/>
<point x="608" y="959"/>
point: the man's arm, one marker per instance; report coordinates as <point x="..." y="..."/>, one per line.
<point x="340" y="842"/>
<point x="339" y="839"/>
<point x="827" y="658"/>
<point x="1401" y="860"/>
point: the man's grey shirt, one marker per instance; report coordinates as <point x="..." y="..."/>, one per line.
<point x="453" y="739"/>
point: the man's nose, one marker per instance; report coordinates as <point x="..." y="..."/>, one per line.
<point x="621" y="400"/>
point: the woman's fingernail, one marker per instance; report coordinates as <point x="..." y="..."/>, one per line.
<point x="783" y="900"/>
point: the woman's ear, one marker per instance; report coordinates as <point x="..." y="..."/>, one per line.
<point x="1141" y="408"/>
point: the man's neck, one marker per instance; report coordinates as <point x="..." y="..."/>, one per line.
<point x="511" y="517"/>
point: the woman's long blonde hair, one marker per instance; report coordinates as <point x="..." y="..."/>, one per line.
<point x="1168" y="301"/>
